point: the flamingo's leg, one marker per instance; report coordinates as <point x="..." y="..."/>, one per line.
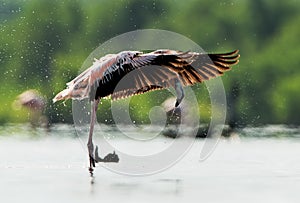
<point x="179" y="92"/>
<point x="90" y="144"/>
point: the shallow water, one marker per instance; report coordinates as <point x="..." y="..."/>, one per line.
<point x="36" y="166"/>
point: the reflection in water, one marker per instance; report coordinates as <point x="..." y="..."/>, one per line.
<point x="132" y="185"/>
<point x="92" y="184"/>
<point x="157" y="187"/>
<point x="173" y="184"/>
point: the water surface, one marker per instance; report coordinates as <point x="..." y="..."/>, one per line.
<point x="36" y="166"/>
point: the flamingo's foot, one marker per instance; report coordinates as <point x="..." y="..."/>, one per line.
<point x="111" y="157"/>
<point x="92" y="166"/>
<point x="91" y="157"/>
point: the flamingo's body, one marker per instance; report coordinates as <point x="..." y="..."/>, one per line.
<point x="132" y="72"/>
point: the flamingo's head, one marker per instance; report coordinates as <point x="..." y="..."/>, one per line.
<point x="63" y="95"/>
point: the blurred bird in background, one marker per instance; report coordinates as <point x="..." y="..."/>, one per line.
<point x="36" y="104"/>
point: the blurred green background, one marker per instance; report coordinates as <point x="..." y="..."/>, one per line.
<point x="44" y="43"/>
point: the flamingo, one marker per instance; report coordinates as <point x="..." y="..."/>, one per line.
<point x="144" y="72"/>
<point x="36" y="104"/>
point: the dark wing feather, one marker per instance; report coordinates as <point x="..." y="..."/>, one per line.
<point x="135" y="76"/>
<point x="206" y="66"/>
<point x="142" y="80"/>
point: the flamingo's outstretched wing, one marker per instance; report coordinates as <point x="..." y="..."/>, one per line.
<point x="165" y="68"/>
<point x="131" y="72"/>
